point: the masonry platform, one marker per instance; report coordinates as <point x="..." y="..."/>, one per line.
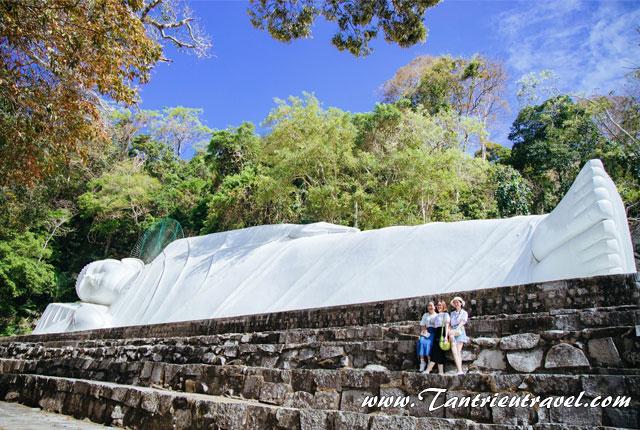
<point x="314" y="368"/>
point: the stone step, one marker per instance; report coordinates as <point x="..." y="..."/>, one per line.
<point x="144" y="408"/>
<point x="307" y="368"/>
<point x="560" y="319"/>
<point x="344" y="390"/>
<point x="14" y="416"/>
<point x="599" y="350"/>
<point x="545" y="297"/>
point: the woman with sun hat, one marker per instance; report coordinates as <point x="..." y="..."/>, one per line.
<point x="457" y="334"/>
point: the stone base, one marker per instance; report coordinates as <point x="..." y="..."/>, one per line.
<point x="313" y="368"/>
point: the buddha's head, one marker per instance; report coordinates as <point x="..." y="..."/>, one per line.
<point x="104" y="281"/>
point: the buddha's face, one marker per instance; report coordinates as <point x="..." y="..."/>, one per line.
<point x="104" y="281"/>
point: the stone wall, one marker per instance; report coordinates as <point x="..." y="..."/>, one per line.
<point x="568" y="341"/>
<point x="541" y="297"/>
<point x="311" y="369"/>
<point x="238" y="398"/>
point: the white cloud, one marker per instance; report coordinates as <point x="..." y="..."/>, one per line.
<point x="589" y="45"/>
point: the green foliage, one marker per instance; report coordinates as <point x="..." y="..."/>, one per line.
<point x="495" y="153"/>
<point x="358" y="22"/>
<point x="512" y="192"/>
<point x="469" y="86"/>
<point x="179" y="127"/>
<point x="119" y="202"/>
<point x="551" y="142"/>
<point x="390" y="166"/>
<point x="27" y="281"/>
<point x="231" y="150"/>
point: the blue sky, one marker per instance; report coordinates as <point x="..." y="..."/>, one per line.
<point x="590" y="46"/>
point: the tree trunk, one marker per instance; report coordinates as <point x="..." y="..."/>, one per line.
<point x="355" y="224"/>
<point x="108" y="244"/>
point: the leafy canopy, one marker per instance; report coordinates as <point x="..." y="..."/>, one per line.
<point x="359" y="22"/>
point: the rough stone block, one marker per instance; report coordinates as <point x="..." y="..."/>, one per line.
<point x="350" y="421"/>
<point x="604" y="385"/>
<point x="525" y="361"/>
<point x="287" y="418"/>
<point x="252" y="387"/>
<point x="357" y="378"/>
<point x="331" y="351"/>
<point x="622" y="417"/>
<point x="511" y="415"/>
<point x="491" y="359"/>
<point x="351" y="401"/>
<point x="486" y="342"/>
<point x="299" y="400"/>
<point x="547" y="385"/>
<point x="274" y="393"/>
<point x="585" y="417"/>
<point x="604" y="351"/>
<point x="385" y="422"/>
<point x="313" y="419"/>
<point x="519" y="341"/>
<point x="326" y="399"/>
<point x="150" y="402"/>
<point x="565" y="355"/>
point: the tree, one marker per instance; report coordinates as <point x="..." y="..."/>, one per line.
<point x="179" y="127"/>
<point x="309" y="152"/>
<point x="469" y="87"/>
<point x="535" y="87"/>
<point x="119" y="202"/>
<point x="390" y="126"/>
<point x="358" y="21"/>
<point x="159" y="160"/>
<point x="58" y="57"/>
<point x="512" y="193"/>
<point x="551" y="141"/>
<point x="233" y="149"/>
<point x="495" y="153"/>
<point x="26" y="282"/>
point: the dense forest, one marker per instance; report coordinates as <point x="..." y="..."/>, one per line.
<point x="423" y="154"/>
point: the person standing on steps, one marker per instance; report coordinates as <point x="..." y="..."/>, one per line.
<point x="457" y="334"/>
<point x="427" y="332"/>
<point x="441" y="329"/>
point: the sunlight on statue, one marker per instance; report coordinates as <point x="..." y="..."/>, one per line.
<point x="283" y="267"/>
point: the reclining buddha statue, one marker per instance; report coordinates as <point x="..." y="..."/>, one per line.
<point x="283" y="267"/>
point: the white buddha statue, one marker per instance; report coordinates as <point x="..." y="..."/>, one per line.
<point x="283" y="267"/>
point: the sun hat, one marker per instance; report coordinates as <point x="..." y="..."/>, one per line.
<point x="458" y="298"/>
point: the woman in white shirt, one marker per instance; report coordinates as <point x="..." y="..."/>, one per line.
<point x="457" y="335"/>
<point x="425" y="341"/>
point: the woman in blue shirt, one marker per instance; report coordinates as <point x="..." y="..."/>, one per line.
<point x="457" y="335"/>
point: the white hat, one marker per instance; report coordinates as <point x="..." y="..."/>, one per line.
<point x="458" y="298"/>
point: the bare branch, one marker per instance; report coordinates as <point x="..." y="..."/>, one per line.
<point x="164" y="25"/>
<point x="175" y="40"/>
<point x="149" y="7"/>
